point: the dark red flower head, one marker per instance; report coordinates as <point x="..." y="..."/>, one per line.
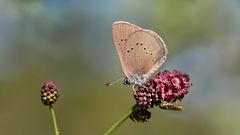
<point x="143" y="97"/>
<point x="165" y="86"/>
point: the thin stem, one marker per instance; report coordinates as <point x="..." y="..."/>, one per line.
<point x="121" y="120"/>
<point x="56" y="132"/>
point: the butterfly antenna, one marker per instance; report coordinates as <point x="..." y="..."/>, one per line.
<point x="113" y="82"/>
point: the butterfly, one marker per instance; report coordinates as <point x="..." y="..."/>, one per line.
<point x="141" y="51"/>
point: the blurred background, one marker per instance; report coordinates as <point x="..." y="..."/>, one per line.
<point x="71" y="43"/>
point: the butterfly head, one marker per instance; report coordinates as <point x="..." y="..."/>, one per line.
<point x="126" y="81"/>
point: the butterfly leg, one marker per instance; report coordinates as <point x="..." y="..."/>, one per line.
<point x="135" y="87"/>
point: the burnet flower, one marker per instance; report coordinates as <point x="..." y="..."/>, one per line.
<point x="166" y="86"/>
<point x="49" y="93"/>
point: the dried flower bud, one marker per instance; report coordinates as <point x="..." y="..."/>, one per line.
<point x="49" y="93"/>
<point x="141" y="115"/>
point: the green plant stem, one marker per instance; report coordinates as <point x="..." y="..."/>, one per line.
<point x="121" y="120"/>
<point x="56" y="132"/>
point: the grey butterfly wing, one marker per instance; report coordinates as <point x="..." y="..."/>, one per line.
<point x="121" y="31"/>
<point x="143" y="54"/>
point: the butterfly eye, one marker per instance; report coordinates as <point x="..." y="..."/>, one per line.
<point x="144" y="48"/>
<point x="131" y="48"/>
<point x="125" y="39"/>
<point x="141" y="43"/>
<point x="121" y="39"/>
<point x="128" y="51"/>
<point x="151" y="53"/>
<point x="137" y="43"/>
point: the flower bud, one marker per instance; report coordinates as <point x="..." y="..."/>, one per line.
<point x="49" y="93"/>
